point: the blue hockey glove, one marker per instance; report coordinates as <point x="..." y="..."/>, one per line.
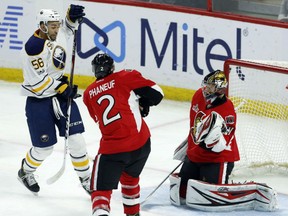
<point x="65" y="91"/>
<point x="64" y="79"/>
<point x="75" y="12"/>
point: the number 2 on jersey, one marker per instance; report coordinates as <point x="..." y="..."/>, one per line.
<point x="109" y="107"/>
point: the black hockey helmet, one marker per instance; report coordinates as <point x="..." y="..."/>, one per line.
<point x="102" y="65"/>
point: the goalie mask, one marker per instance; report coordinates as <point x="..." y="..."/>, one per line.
<point x="102" y="65"/>
<point x="214" y="85"/>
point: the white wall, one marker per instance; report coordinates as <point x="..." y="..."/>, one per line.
<point x="126" y="30"/>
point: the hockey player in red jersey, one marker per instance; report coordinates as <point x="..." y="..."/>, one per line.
<point x="202" y="182"/>
<point x="117" y="101"/>
<point x="210" y="154"/>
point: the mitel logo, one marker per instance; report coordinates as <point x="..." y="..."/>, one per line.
<point x="190" y="40"/>
<point x="101" y="40"/>
<point x="9" y="28"/>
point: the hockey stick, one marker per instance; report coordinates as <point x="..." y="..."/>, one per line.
<point x="141" y="203"/>
<point x="57" y="175"/>
<point x="240" y="104"/>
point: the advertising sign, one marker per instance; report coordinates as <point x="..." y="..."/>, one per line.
<point x="173" y="48"/>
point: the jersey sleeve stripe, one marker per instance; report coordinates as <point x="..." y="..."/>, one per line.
<point x="40" y="88"/>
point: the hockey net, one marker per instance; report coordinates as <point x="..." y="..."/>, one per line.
<point x="260" y="87"/>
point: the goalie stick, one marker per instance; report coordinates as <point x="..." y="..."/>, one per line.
<point x="57" y="175"/>
<point x="240" y="105"/>
<point x="141" y="203"/>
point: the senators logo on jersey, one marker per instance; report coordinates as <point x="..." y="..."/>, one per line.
<point x="197" y="121"/>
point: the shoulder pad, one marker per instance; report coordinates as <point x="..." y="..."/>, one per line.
<point x="34" y="46"/>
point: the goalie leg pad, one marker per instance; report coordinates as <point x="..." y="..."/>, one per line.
<point x="266" y="198"/>
<point x="230" y="197"/>
<point x="175" y="198"/>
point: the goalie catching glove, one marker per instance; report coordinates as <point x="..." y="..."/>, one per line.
<point x="209" y="132"/>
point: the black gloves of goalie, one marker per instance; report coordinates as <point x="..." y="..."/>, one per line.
<point x="65" y="91"/>
<point x="75" y="12"/>
<point x="144" y="108"/>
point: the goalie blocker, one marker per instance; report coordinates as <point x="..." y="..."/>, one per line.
<point x="227" y="197"/>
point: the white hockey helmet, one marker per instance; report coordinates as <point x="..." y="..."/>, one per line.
<point x="46" y="15"/>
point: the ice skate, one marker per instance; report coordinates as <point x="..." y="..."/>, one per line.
<point x="28" y="180"/>
<point x="85" y="183"/>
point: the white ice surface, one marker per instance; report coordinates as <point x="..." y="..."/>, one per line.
<point x="169" y="125"/>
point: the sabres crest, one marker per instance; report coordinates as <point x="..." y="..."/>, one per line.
<point x="59" y="57"/>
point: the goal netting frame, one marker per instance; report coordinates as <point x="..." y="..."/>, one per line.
<point x="262" y="120"/>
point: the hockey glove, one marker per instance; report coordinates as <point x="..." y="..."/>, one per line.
<point x="75" y="12"/>
<point x="64" y="79"/>
<point x="65" y="91"/>
<point x="144" y="108"/>
<point x="144" y="111"/>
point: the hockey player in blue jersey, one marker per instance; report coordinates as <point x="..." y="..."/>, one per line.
<point x="48" y="91"/>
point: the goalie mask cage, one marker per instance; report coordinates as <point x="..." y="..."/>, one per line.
<point x="262" y="118"/>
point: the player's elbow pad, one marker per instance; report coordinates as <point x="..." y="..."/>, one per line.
<point x="149" y="96"/>
<point x="157" y="98"/>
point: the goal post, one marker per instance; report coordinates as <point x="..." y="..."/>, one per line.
<point x="262" y="122"/>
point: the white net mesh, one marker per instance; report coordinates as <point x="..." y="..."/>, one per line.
<point x="262" y="121"/>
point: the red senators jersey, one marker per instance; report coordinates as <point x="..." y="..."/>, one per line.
<point x="196" y="152"/>
<point x="113" y="104"/>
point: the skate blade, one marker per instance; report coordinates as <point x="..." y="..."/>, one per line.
<point x="34" y="193"/>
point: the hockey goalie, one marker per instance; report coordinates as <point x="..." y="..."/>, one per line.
<point x="208" y="156"/>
